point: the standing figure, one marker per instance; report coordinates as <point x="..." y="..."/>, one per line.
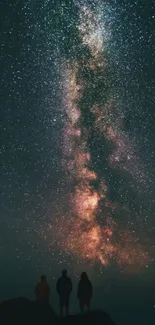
<point x="42" y="290"/>
<point x="64" y="288"/>
<point x="85" y="292"/>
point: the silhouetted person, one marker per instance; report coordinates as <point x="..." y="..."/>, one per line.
<point x="64" y="288"/>
<point x="42" y="290"/>
<point x="85" y="292"/>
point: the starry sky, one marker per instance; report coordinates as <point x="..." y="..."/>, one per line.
<point x="77" y="144"/>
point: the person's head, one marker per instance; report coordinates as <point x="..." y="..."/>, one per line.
<point x="64" y="273"/>
<point x="84" y="276"/>
<point x="43" y="277"/>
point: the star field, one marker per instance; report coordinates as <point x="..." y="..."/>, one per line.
<point x="77" y="135"/>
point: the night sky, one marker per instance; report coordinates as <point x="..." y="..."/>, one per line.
<point x="77" y="149"/>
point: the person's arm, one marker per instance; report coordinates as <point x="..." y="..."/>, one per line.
<point x="71" y="287"/>
<point x="78" y="291"/>
<point x="91" y="289"/>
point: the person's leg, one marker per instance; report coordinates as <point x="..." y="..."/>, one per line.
<point x="61" y="307"/>
<point x="81" y="306"/>
<point x="67" y="306"/>
<point x="88" y="304"/>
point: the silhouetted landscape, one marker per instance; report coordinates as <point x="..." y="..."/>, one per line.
<point x="21" y="311"/>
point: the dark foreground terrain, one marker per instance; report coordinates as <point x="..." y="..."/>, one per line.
<point x="21" y="311"/>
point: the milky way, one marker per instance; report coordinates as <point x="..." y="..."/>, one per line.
<point x="89" y="231"/>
